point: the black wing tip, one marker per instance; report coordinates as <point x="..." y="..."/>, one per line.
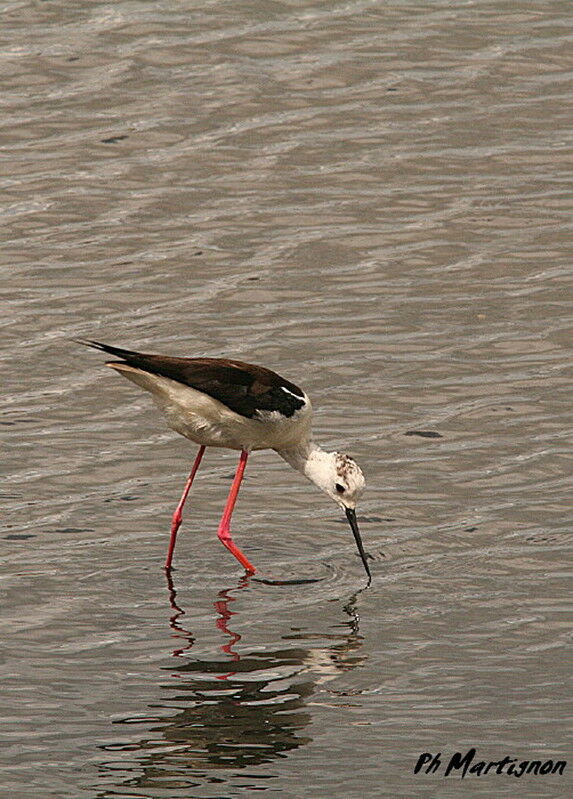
<point x="97" y="345"/>
<point x="89" y="343"/>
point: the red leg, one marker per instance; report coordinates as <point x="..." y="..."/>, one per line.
<point x="224" y="525"/>
<point x="177" y="516"/>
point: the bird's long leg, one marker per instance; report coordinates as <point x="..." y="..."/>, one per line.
<point x="224" y="525"/>
<point x="178" y="515"/>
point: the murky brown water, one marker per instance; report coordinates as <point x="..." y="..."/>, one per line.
<point x="370" y="198"/>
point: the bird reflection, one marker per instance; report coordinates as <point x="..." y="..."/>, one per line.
<point x="231" y="718"/>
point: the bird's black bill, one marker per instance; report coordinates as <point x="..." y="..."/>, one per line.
<point x="351" y="516"/>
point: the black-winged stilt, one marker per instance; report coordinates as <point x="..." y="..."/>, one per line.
<point x="217" y="402"/>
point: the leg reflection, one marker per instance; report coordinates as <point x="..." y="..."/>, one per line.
<point x="178" y="630"/>
<point x="225" y="614"/>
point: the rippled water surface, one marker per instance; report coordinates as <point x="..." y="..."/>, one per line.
<point x="372" y="199"/>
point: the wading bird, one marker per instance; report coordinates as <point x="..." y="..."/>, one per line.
<point x="217" y="402"/>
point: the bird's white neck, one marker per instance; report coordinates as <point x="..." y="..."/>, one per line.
<point x="311" y="460"/>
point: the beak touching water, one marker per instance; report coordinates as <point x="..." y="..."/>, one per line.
<point x="351" y="516"/>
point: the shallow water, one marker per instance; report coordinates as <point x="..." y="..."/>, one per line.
<point x="371" y="199"/>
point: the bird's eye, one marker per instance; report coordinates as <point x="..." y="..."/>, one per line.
<point x="340" y="488"/>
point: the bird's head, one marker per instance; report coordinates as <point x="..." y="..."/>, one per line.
<point x="339" y="476"/>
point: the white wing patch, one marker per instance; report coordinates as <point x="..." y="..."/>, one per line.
<point x="286" y="390"/>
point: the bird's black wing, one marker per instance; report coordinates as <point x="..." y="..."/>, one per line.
<point x="244" y="388"/>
